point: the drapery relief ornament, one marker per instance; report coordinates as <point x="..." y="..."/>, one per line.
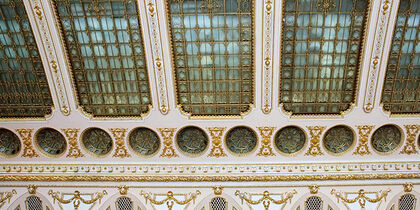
<point x="119" y="135"/>
<point x="266" y="198"/>
<point x="168" y="149"/>
<point x="376" y="56"/>
<point x="216" y="134"/>
<point x="410" y="145"/>
<point x="268" y="54"/>
<point x="77" y="198"/>
<point x="170" y="199"/>
<point x="364" y="132"/>
<point x="74" y="150"/>
<point x="5" y="196"/>
<point x="28" y="149"/>
<point x="361" y="197"/>
<point x="314" y="148"/>
<point x="266" y="133"/>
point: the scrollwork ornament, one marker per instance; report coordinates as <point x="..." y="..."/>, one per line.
<point x="123" y="189"/>
<point x="361" y="198"/>
<point x="408" y="187"/>
<point x="364" y="132"/>
<point x="313" y="189"/>
<point x="218" y="190"/>
<point x="314" y="148"/>
<point x="266" y="199"/>
<point x="28" y="149"/>
<point x="74" y="150"/>
<point x="266" y="133"/>
<point x="170" y="199"/>
<point x="168" y="149"/>
<point x="5" y="196"/>
<point x="216" y="135"/>
<point x="410" y="146"/>
<point x="77" y="198"/>
<point x="119" y="135"/>
<point x="32" y="189"/>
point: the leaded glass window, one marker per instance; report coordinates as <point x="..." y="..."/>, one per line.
<point x="212" y="43"/>
<point x="24" y="90"/>
<point x="313" y="203"/>
<point x="105" y="48"/>
<point x="401" y="91"/>
<point x="321" y="46"/>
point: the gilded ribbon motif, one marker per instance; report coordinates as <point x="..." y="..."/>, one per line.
<point x="169" y="199"/>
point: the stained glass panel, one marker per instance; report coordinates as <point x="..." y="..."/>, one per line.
<point x="338" y="139"/>
<point x="321" y="47"/>
<point x="9" y="142"/>
<point x="105" y="48"/>
<point x="24" y="90"/>
<point x="144" y="141"/>
<point x="386" y="138"/>
<point x="51" y="141"/>
<point x="192" y="140"/>
<point x="290" y="139"/>
<point x="212" y="43"/>
<point x="97" y="141"/>
<point x="241" y="140"/>
<point x="401" y="91"/>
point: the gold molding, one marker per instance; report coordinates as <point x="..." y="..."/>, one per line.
<point x="170" y="199"/>
<point x="364" y="132"/>
<point x="266" y="198"/>
<point x="266" y="133"/>
<point x="216" y="134"/>
<point x="74" y="150"/>
<point x="361" y="197"/>
<point x="28" y="149"/>
<point x="315" y="132"/>
<point x="410" y="146"/>
<point x="268" y="54"/>
<point x="77" y="198"/>
<point x="119" y="135"/>
<point x="168" y="149"/>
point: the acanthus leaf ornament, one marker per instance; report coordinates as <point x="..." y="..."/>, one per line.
<point x="216" y="135"/>
<point x="364" y="132"/>
<point x="77" y="198"/>
<point x="168" y="149"/>
<point x="361" y="197"/>
<point x="74" y="150"/>
<point x="266" y="198"/>
<point x="410" y="146"/>
<point x="314" y="148"/>
<point x="170" y="199"/>
<point x="28" y="149"/>
<point x="119" y="135"/>
<point x="266" y="133"/>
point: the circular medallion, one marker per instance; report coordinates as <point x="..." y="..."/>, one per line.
<point x="338" y="139"/>
<point x="50" y="141"/>
<point x="386" y="138"/>
<point x="9" y="142"/>
<point x="290" y="139"/>
<point x="97" y="141"/>
<point x="192" y="140"/>
<point x="241" y="140"/>
<point x="144" y="141"/>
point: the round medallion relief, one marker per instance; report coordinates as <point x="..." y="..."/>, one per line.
<point x="144" y="141"/>
<point x="192" y="140"/>
<point x="97" y="141"/>
<point x="9" y="142"/>
<point x="241" y="140"/>
<point x="50" y="141"/>
<point x="386" y="138"/>
<point x="338" y="139"/>
<point x="290" y="139"/>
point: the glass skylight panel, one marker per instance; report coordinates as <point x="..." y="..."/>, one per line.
<point x="321" y="46"/>
<point x="212" y="43"/>
<point x="105" y="48"/>
<point x="24" y="90"/>
<point x="401" y="91"/>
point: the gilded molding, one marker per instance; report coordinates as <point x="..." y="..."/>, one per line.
<point x="153" y="23"/>
<point x="5" y="196"/>
<point x="376" y="56"/>
<point x="266" y="133"/>
<point x="361" y="198"/>
<point x="216" y="134"/>
<point x="74" y="150"/>
<point x="51" y="52"/>
<point x="268" y="55"/>
<point x="170" y="199"/>
<point x="119" y="135"/>
<point x="314" y="148"/>
<point x="28" y="149"/>
<point x="266" y="199"/>
<point x="168" y="149"/>
<point x="77" y="198"/>
<point x="364" y="132"/>
<point x="410" y="145"/>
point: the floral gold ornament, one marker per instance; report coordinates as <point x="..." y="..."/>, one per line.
<point x="266" y="198"/>
<point x="364" y="132"/>
<point x="123" y="189"/>
<point x="314" y="148"/>
<point x="361" y="198"/>
<point x="170" y="199"/>
<point x="32" y="189"/>
<point x="410" y="146"/>
<point x="216" y="134"/>
<point x="119" y="135"/>
<point x="71" y="134"/>
<point x="168" y="149"/>
<point x="77" y="198"/>
<point x="408" y="187"/>
<point x="326" y="5"/>
<point x="313" y="189"/>
<point x="266" y="149"/>
<point x="5" y="196"/>
<point x="28" y="149"/>
<point x="218" y="190"/>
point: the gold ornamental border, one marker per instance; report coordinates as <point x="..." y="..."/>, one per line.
<point x="272" y="178"/>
